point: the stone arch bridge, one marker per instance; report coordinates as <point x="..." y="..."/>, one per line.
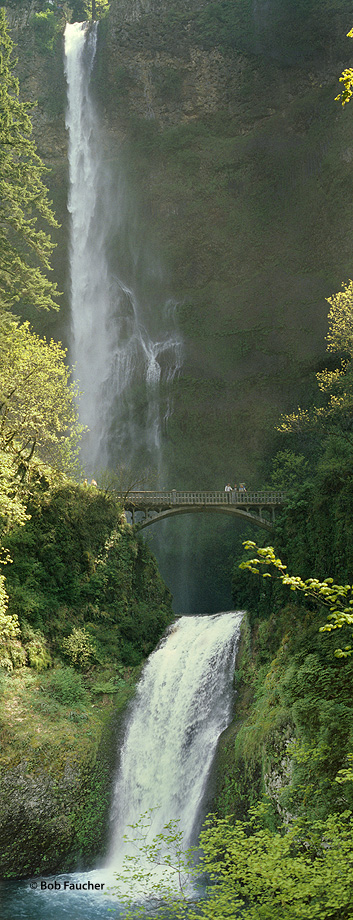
<point x="255" y="507"/>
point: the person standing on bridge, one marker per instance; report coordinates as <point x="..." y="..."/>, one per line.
<point x="228" y="489"/>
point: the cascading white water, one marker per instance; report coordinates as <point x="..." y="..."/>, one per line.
<point x="183" y="704"/>
<point x="124" y="371"/>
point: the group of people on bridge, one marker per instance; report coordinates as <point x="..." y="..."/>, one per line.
<point x="235" y="488"/>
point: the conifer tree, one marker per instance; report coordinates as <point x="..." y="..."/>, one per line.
<point x="25" y="248"/>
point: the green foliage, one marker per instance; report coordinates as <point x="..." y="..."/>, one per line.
<point x="296" y="739"/>
<point x="253" y="872"/>
<point x="340" y="319"/>
<point x="69" y="751"/>
<point x="257" y="597"/>
<point x="102" y="8"/>
<point x="346" y="776"/>
<point x="314" y="532"/>
<point x="81" y="576"/>
<point x="36" y="648"/>
<point x="83" y="9"/>
<point x="332" y="417"/>
<point x="79" y="649"/>
<point x="298" y="727"/>
<point x="55" y="552"/>
<point x="168" y="82"/>
<point x="111" y="683"/>
<point x="337" y="598"/>
<point x="10" y="650"/>
<point x="3" y="679"/>
<point x="127" y="585"/>
<point x="80" y="10"/>
<point x="288" y="470"/>
<point x="347" y="79"/>
<point x="277" y="875"/>
<point x="66" y="686"/>
<point x="44" y="26"/>
<point x="12" y="654"/>
<point x="24" y="249"/>
<point x="38" y="412"/>
<point x="12" y="493"/>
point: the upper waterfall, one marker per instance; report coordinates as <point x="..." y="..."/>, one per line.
<point x="126" y="350"/>
<point x="183" y="704"/>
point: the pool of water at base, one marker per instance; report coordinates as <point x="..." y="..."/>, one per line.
<point x="61" y="898"/>
<point x="53" y="898"/>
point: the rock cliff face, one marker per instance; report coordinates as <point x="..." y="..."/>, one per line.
<point x="54" y="808"/>
<point x="35" y="819"/>
<point x="239" y="155"/>
<point x="170" y="82"/>
<point x="42" y="80"/>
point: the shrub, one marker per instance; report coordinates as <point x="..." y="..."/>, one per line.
<point x="79" y="648"/>
<point x="11" y="653"/>
<point x="3" y="679"/>
<point x="36" y="647"/>
<point x="44" y="26"/>
<point x="66" y="686"/>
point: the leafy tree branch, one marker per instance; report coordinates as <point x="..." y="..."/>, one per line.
<point x="252" y="872"/>
<point x="335" y="415"/>
<point x="338" y="599"/>
<point x="347" y="79"/>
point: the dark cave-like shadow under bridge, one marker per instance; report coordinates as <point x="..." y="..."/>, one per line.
<point x="255" y="507"/>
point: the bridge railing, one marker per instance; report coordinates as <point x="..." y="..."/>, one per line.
<point x="150" y="499"/>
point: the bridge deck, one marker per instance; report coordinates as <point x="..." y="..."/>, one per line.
<point x="162" y="500"/>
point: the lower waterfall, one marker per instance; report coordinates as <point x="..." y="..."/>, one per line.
<point x="182" y="705"/>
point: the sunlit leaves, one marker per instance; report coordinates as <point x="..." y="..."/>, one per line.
<point x="279" y="874"/>
<point x="301" y="873"/>
<point x="338" y="598"/>
<point x="340" y="318"/>
<point x="347" y="79"/>
<point x="336" y="386"/>
<point x="38" y="413"/>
